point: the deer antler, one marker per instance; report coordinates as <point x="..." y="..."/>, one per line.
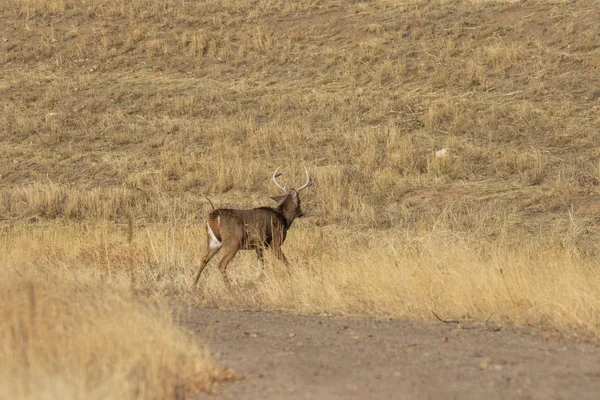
<point x="308" y="183"/>
<point x="275" y="175"/>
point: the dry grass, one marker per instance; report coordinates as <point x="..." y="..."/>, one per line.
<point x="132" y="111"/>
<point x="74" y="339"/>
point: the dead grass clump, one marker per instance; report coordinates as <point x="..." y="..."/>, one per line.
<point x="64" y="341"/>
<point x="501" y="57"/>
<point x="440" y="112"/>
<point x="50" y="200"/>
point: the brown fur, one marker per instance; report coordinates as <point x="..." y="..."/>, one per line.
<point x="254" y="229"/>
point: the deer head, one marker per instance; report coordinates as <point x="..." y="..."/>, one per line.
<point x="289" y="203"/>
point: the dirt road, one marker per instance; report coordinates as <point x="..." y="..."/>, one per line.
<point x="291" y="357"/>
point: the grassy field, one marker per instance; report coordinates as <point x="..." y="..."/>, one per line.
<point x="118" y="117"/>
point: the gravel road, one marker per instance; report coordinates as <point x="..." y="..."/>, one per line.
<point x="281" y="356"/>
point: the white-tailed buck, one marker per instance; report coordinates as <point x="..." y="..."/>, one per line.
<point x="255" y="229"/>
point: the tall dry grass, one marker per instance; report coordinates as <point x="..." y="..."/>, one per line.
<point x="450" y="265"/>
<point x="67" y="335"/>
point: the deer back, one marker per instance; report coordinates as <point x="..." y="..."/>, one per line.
<point x="250" y="228"/>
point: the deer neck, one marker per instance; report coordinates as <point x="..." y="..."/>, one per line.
<point x="288" y="209"/>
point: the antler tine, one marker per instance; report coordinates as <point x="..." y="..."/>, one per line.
<point x="308" y="183"/>
<point x="275" y="175"/>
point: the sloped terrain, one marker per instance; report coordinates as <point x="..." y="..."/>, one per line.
<point x="190" y="98"/>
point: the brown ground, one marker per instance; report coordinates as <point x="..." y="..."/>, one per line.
<point x="294" y="357"/>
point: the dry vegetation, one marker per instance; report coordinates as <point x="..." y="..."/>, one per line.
<point x="116" y="117"/>
<point x="60" y="341"/>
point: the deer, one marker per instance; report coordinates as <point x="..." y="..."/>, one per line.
<point x="230" y="230"/>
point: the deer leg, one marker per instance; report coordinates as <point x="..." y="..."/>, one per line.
<point x="279" y="254"/>
<point x="283" y="258"/>
<point x="259" y="257"/>
<point x="276" y="243"/>
<point x="229" y="254"/>
<point x="211" y="253"/>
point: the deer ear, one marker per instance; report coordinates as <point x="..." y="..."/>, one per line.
<point x="279" y="199"/>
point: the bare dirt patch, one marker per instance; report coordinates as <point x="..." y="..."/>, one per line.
<point x="295" y="357"/>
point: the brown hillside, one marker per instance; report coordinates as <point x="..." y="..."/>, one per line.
<point x="208" y="97"/>
<point x="110" y="109"/>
